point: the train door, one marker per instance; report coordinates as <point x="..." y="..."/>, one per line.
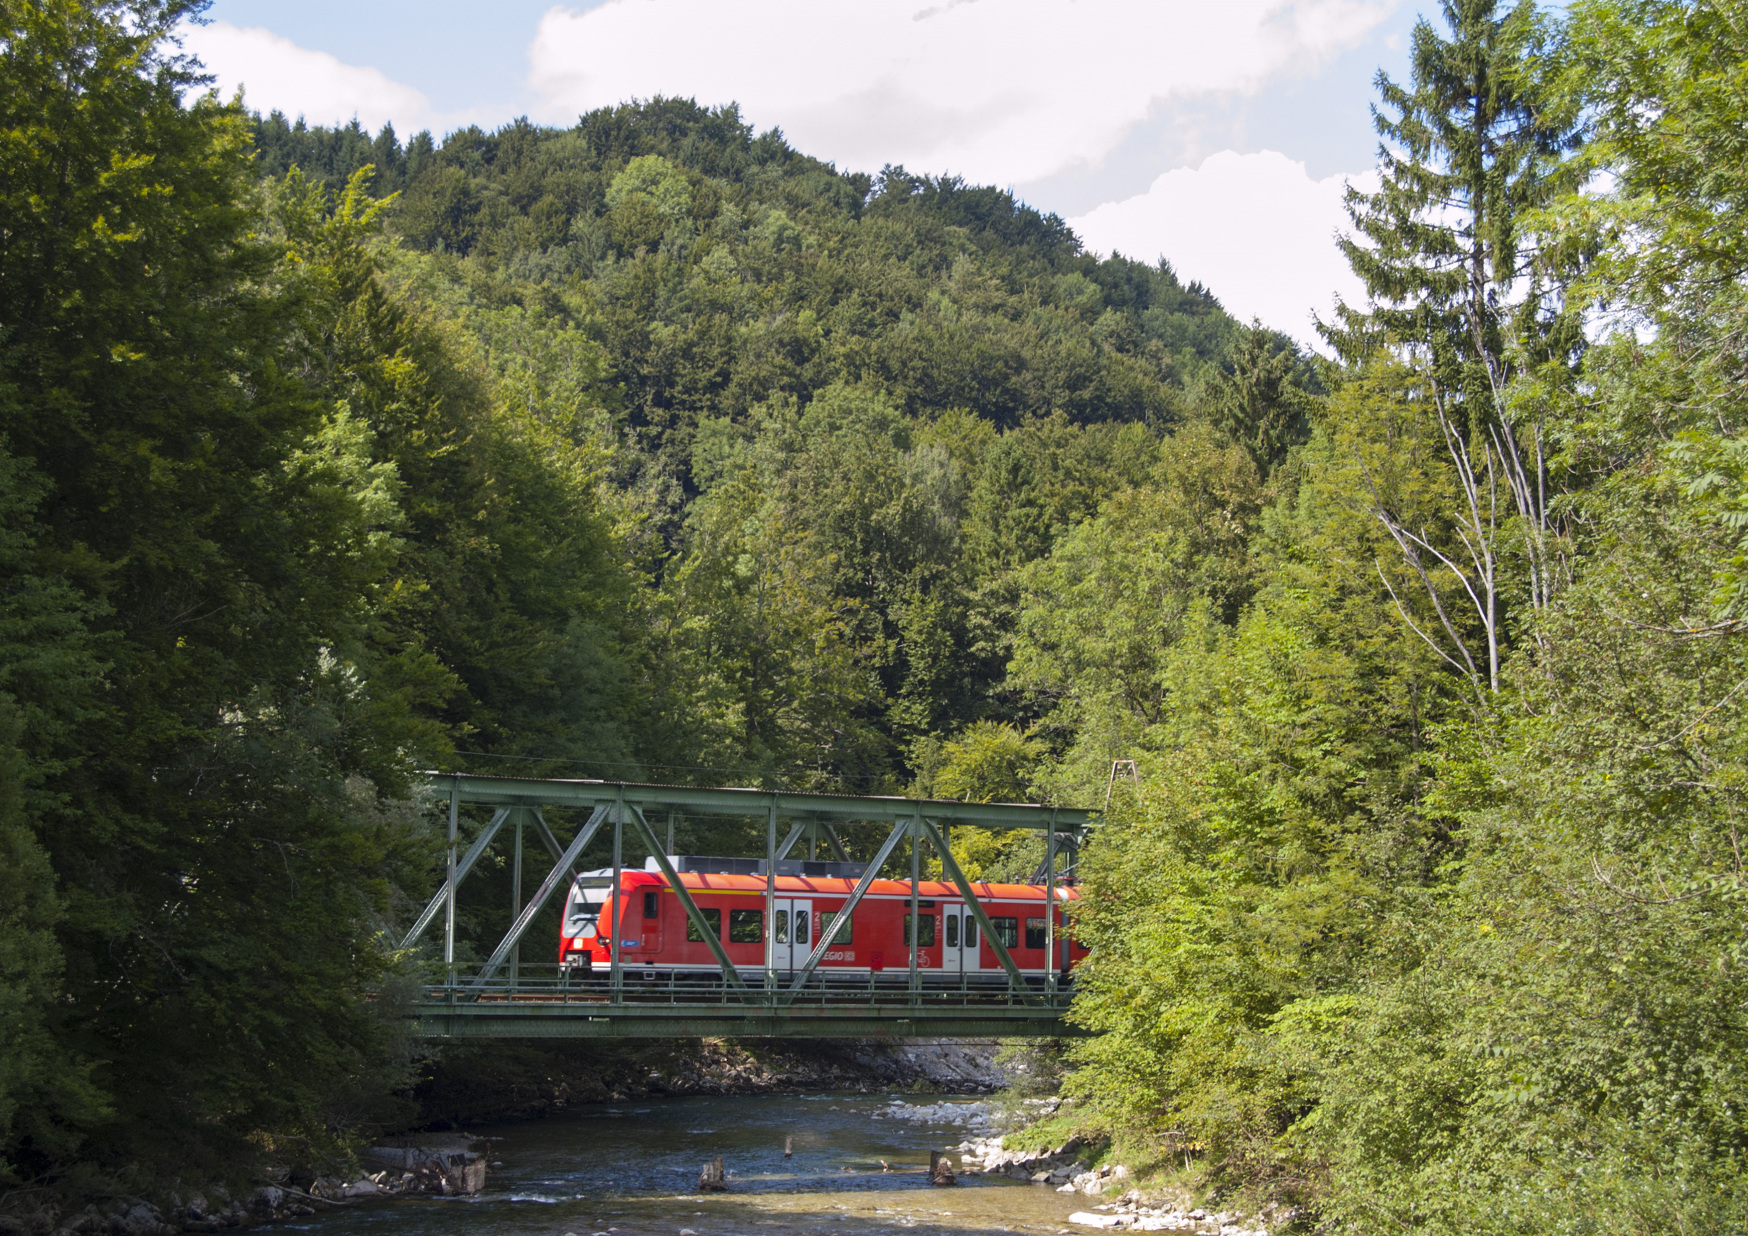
<point x="959" y="951"/>
<point x="648" y="925"/>
<point x="792" y="934"/>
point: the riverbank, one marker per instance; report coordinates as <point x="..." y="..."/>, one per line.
<point x="489" y="1082"/>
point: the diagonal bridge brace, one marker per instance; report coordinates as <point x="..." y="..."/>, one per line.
<point x="862" y="886"/>
<point x="693" y="913"/>
<point x="951" y="867"/>
<point x="795" y="834"/>
<point x="545" y="834"/>
<point x="836" y="842"/>
<point x="521" y="801"/>
<point x="822" y="830"/>
<point x="447" y="889"/>
<point x="560" y="869"/>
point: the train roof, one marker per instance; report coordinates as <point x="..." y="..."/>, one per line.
<point x="933" y="890"/>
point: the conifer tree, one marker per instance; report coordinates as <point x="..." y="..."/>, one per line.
<point x="1472" y="146"/>
<point x="1263" y="404"/>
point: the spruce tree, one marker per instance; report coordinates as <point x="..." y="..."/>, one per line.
<point x="1473" y="146"/>
<point x="1263" y="403"/>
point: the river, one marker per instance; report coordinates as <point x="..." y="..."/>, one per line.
<point x="631" y="1169"/>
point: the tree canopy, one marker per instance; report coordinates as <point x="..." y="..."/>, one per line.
<point x="652" y="448"/>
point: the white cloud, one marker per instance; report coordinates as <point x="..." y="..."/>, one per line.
<point x="1004" y="93"/>
<point x="1254" y="228"/>
<point x="276" y="73"/>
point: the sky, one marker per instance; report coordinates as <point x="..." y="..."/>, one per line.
<point x="1219" y="136"/>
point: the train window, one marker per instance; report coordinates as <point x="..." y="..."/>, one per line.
<point x="952" y="930"/>
<point x="801" y="926"/>
<point x="1034" y="933"/>
<point x="713" y="916"/>
<point x="827" y="918"/>
<point x="1007" y="930"/>
<point x="927" y="932"/>
<point x="746" y="926"/>
<point x="970" y="932"/>
<point x="650" y="909"/>
<point x="780" y="926"/>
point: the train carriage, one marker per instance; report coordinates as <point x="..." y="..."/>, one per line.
<point x="658" y="939"/>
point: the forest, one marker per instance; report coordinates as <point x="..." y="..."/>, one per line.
<point x="654" y="449"/>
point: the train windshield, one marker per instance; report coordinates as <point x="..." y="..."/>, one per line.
<point x="582" y="908"/>
<point x="579" y="916"/>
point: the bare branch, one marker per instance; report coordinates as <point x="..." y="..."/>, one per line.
<point x="1602" y="878"/>
<point x="1415" y="627"/>
<point x="1695" y="723"/>
<point x="1732" y="626"/>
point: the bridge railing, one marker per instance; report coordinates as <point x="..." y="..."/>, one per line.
<point x="550" y="984"/>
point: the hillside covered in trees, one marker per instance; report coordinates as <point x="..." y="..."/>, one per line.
<point x="890" y="394"/>
<point x="654" y="449"/>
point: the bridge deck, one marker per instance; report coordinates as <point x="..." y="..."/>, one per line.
<point x="592" y="1009"/>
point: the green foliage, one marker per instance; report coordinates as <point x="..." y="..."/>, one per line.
<point x="49" y="670"/>
<point x="755" y="640"/>
<point x="1264" y="403"/>
<point x="1420" y="957"/>
<point x="1103" y="610"/>
<point x="652" y="447"/>
<point x="1665" y="83"/>
<point x="1275" y="821"/>
<point x="1562" y="1042"/>
<point x="272" y="540"/>
<point x="989" y="762"/>
<point x="718" y="269"/>
<point x="211" y="818"/>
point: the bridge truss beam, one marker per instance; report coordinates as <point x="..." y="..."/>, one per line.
<point x="485" y="1004"/>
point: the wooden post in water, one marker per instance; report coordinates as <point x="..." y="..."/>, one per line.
<point x="712" y="1178"/>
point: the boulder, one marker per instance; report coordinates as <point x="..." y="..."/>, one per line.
<point x="140" y="1219"/>
<point x="431" y="1163"/>
<point x="465" y="1178"/>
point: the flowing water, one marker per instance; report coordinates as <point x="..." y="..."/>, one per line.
<point x="632" y="1169"/>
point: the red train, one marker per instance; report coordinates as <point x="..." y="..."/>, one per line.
<point x="658" y="939"/>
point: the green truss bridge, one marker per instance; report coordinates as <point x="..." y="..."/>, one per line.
<point x="504" y="997"/>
